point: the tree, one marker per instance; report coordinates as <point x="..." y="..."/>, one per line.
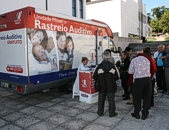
<point x="149" y="17"/>
<point x="155" y="25"/>
<point x="158" y="12"/>
<point x="164" y="22"/>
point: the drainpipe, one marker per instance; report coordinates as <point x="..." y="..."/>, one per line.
<point x="46" y="4"/>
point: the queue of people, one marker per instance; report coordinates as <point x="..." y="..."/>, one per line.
<point x="138" y="72"/>
<point x="143" y="73"/>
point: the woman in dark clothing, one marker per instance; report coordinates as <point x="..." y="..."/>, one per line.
<point x="147" y="52"/>
<point x="130" y="83"/>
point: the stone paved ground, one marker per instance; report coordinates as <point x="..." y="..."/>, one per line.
<point x="57" y="111"/>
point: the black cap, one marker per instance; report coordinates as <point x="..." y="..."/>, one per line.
<point x="128" y="49"/>
<point x="138" y="48"/>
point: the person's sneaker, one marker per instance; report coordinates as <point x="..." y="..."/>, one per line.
<point x="144" y="117"/>
<point x="163" y="91"/>
<point x="126" y="98"/>
<point x="115" y="114"/>
<point x="99" y="114"/>
<point x="167" y="93"/>
<point x="155" y="94"/>
<point x="123" y="95"/>
<point x="133" y="115"/>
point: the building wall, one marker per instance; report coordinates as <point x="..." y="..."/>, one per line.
<point x="59" y="6"/>
<point x="10" y="5"/>
<point x="129" y="20"/>
<point x="108" y="12"/>
<point x="121" y="15"/>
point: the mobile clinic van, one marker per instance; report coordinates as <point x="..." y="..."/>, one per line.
<point x="41" y="50"/>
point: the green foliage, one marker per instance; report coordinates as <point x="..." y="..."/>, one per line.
<point x="164" y="22"/>
<point x="160" y="20"/>
<point x="149" y="18"/>
<point x="155" y="25"/>
<point x="158" y="12"/>
<point x="167" y="38"/>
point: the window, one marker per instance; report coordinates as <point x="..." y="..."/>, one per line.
<point x="112" y="46"/>
<point x="81" y="8"/>
<point x="133" y="36"/>
<point x="144" y="19"/>
<point x="74" y="8"/>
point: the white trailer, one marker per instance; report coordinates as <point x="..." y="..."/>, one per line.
<point x="40" y="49"/>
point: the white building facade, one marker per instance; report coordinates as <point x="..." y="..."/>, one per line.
<point x="127" y="18"/>
<point x="76" y="8"/>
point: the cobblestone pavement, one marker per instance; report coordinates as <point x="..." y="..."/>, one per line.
<point x="54" y="110"/>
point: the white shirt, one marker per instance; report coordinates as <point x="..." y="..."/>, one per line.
<point x="140" y="67"/>
<point x="35" y="67"/>
<point x="62" y="56"/>
<point x="156" y="54"/>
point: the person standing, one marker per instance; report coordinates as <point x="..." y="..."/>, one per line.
<point x="167" y="68"/>
<point x="111" y="58"/>
<point x="156" y="76"/>
<point x="129" y="51"/>
<point x="105" y="76"/>
<point x="160" y="68"/>
<point x="140" y="68"/>
<point x="156" y="53"/>
<point x="124" y="66"/>
<point x="147" y="52"/>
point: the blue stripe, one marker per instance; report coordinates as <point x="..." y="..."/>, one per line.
<point x="14" y="78"/>
<point x="48" y="77"/>
<point x="39" y="79"/>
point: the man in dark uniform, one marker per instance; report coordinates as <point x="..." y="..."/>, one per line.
<point x="124" y="66"/>
<point x="129" y="51"/>
<point x="105" y="76"/>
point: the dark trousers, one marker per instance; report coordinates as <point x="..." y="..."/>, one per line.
<point x="161" y="78"/>
<point x="125" y="87"/>
<point x="152" y="91"/>
<point x="101" y="101"/>
<point x="141" y="90"/>
<point x="167" y="78"/>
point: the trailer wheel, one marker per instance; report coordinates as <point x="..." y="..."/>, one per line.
<point x="60" y="88"/>
<point x="69" y="87"/>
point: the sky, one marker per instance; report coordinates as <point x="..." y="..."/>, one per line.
<point x="155" y="3"/>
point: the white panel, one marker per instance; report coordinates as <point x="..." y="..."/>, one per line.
<point x="60" y="6"/>
<point x="34" y="3"/>
<point x="6" y="7"/>
<point x="120" y="15"/>
<point x="129" y="19"/>
<point x="13" y="52"/>
<point x="108" y="12"/>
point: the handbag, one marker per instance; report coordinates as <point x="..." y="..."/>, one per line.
<point x="123" y="75"/>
